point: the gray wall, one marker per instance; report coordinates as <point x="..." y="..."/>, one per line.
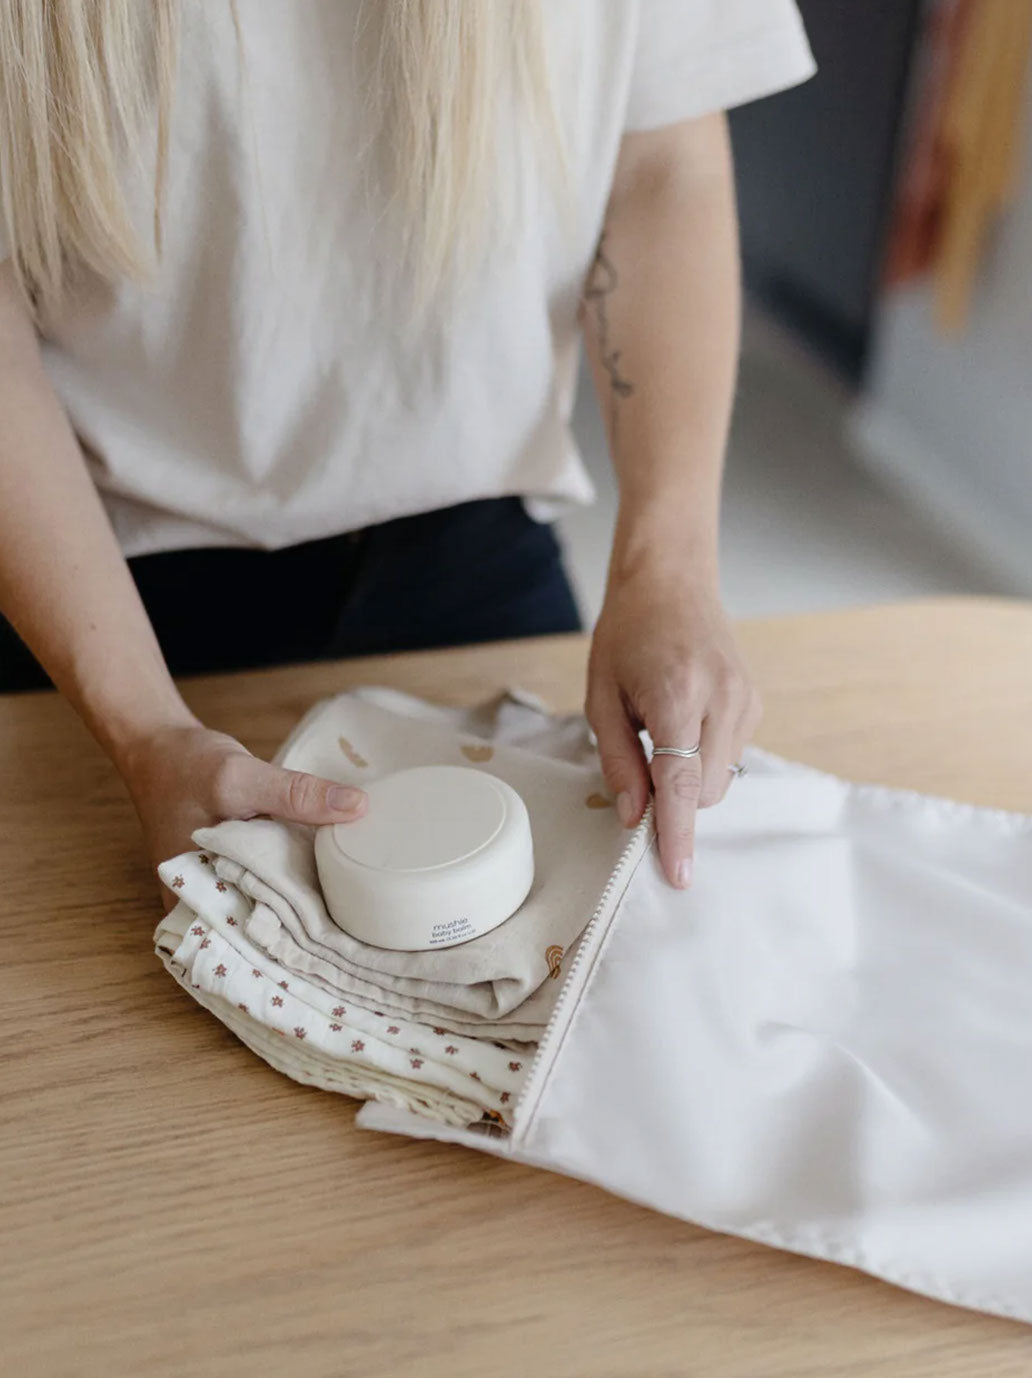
<point x="951" y="419"/>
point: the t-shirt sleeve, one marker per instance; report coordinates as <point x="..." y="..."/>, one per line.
<point x="696" y="56"/>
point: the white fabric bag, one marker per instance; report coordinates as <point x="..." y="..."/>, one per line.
<point x="825" y="1045"/>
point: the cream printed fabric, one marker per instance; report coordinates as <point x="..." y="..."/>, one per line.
<point x="251" y="941"/>
<point x="309" y="1033"/>
<point x="499" y="985"/>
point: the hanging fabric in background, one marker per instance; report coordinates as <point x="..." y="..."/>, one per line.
<point x="962" y="158"/>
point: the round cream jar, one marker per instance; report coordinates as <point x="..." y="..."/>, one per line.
<point x="441" y="855"/>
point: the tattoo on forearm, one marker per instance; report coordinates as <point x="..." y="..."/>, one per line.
<point x="602" y="281"/>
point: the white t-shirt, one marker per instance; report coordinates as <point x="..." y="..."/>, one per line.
<point x="258" y="391"/>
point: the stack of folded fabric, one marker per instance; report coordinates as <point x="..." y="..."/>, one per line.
<point x="447" y="1034"/>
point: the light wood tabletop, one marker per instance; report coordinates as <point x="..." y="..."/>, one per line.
<point x="171" y="1206"/>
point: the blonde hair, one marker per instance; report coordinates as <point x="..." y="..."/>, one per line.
<point x="85" y="85"/>
<point x="449" y="74"/>
<point x="76" y="80"/>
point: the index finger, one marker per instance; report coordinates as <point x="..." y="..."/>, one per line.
<point x="677" y="782"/>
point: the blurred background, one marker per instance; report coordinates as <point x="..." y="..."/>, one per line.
<point x="880" y="445"/>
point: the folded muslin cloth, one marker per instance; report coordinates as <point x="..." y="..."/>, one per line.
<point x="305" y="1031"/>
<point x="502" y="984"/>
<point x="442" y="1033"/>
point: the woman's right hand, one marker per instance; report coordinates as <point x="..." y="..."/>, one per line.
<point x="187" y="776"/>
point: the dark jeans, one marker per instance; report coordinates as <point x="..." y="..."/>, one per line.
<point x="482" y="571"/>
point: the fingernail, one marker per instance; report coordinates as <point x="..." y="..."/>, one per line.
<point x="344" y="799"/>
<point x="625" y="808"/>
<point x="684" y="873"/>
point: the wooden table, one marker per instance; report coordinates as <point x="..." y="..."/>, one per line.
<point x="171" y="1206"/>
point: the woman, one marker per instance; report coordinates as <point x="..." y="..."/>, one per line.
<point x="328" y="414"/>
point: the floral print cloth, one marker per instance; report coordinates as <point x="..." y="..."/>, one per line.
<point x="448" y="1035"/>
<point x="309" y="1034"/>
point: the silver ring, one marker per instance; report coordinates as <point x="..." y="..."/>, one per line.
<point x="737" y="770"/>
<point x="686" y="753"/>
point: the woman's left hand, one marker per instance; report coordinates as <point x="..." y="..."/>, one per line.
<point x="663" y="657"/>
